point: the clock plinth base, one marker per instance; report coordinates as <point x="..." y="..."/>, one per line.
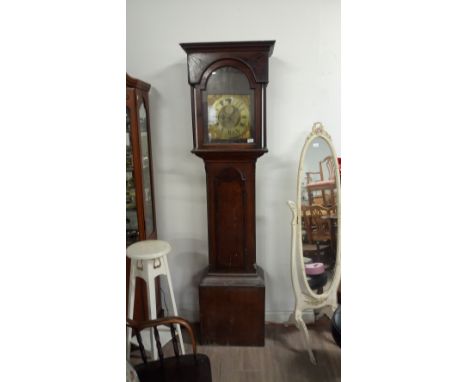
<point x="232" y="309"/>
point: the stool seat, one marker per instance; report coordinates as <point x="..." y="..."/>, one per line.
<point x="148" y="249"/>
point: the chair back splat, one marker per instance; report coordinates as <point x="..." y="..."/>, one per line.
<point x="178" y="368"/>
<point x="174" y="341"/>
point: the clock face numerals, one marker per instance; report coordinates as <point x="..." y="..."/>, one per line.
<point x="229" y="118"/>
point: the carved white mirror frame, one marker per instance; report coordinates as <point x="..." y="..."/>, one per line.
<point x="306" y="298"/>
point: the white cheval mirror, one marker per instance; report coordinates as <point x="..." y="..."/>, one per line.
<point x="315" y="249"/>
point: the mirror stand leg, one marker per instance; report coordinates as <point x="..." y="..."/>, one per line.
<point x="320" y="313"/>
<point x="333" y="305"/>
<point x="305" y="335"/>
<point x="291" y="320"/>
<point x="328" y="311"/>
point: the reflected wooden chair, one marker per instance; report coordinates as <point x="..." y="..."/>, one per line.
<point x="319" y="241"/>
<point x="313" y="179"/>
<point x="317" y="238"/>
<point x="193" y="367"/>
<point x="331" y="211"/>
<point x="327" y="167"/>
<point x="322" y="181"/>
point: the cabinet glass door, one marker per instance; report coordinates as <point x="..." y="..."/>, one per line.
<point x="145" y="170"/>
<point x="132" y="220"/>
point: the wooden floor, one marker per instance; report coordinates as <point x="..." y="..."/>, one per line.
<point x="283" y="359"/>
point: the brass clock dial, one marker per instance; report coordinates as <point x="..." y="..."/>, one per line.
<point x="229" y="117"/>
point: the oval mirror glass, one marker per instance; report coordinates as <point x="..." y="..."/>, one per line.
<point x="319" y="214"/>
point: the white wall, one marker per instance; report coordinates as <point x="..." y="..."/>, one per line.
<point x="304" y="88"/>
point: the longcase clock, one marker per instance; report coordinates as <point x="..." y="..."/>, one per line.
<point x="228" y="83"/>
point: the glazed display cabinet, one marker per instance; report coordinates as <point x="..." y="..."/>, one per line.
<point x="140" y="216"/>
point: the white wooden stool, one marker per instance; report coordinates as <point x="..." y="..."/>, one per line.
<point x="149" y="260"/>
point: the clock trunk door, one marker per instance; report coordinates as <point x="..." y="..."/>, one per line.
<point x="231" y="217"/>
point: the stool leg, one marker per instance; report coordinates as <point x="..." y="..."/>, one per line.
<point x="174" y="307"/>
<point x="131" y="302"/>
<point x="152" y="310"/>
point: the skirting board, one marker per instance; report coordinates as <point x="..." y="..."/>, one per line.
<point x="275" y="317"/>
<point x="283" y="317"/>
